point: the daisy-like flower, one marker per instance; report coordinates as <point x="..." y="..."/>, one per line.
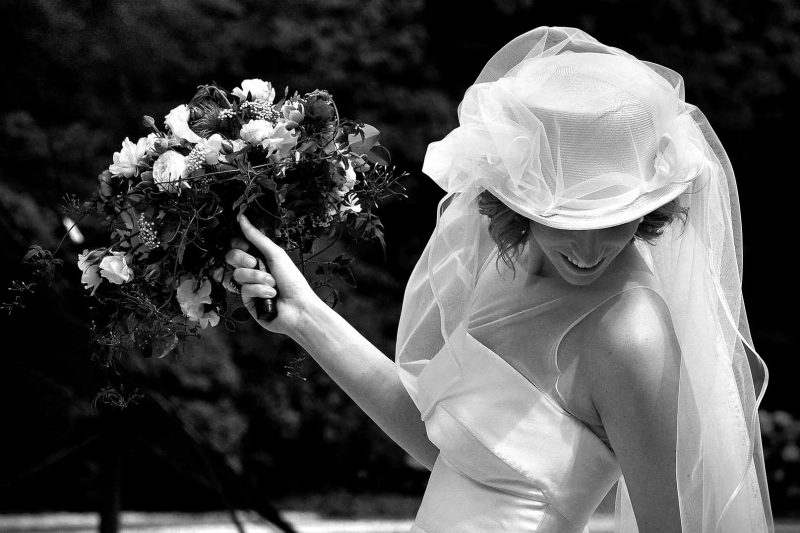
<point x="127" y="159"/>
<point x="260" y="90"/>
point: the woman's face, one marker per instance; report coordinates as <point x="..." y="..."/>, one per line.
<point x="581" y="256"/>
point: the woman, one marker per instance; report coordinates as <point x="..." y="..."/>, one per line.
<point x="576" y="317"/>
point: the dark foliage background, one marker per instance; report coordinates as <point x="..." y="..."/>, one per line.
<point x="77" y="77"/>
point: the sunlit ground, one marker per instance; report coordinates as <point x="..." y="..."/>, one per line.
<point x="304" y="522"/>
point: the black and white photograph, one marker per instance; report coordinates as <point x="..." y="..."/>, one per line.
<point x="399" y="266"/>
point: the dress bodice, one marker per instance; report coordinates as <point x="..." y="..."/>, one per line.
<point x="512" y="455"/>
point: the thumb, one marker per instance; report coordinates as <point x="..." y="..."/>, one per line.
<point x="264" y="244"/>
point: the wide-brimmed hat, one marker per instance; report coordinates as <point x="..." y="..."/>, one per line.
<point x="578" y="140"/>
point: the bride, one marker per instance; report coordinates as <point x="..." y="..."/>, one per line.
<point x="576" y="318"/>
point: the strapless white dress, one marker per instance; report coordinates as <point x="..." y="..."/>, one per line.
<point x="512" y="455"/>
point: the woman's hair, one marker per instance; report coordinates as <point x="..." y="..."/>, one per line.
<point x="509" y="230"/>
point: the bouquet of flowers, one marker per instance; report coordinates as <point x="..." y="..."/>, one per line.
<point x="170" y="200"/>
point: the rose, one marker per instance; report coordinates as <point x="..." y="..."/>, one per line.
<point x="318" y="106"/>
<point x="193" y="302"/>
<point x="178" y="123"/>
<point x="115" y="268"/>
<point x="258" y="89"/>
<point x="256" y="131"/>
<point x="169" y="172"/>
<point x="280" y="140"/>
<point x="127" y="159"/>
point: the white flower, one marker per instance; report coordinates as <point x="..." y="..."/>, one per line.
<point x="169" y="172"/>
<point x="212" y="147"/>
<point x="178" y="123"/>
<point x="349" y="178"/>
<point x="125" y="160"/>
<point x="90" y="272"/>
<point x="280" y="140"/>
<point x="344" y="183"/>
<point x="115" y="269"/>
<point x="91" y="278"/>
<point x="258" y="89"/>
<point x="211" y="318"/>
<point x="350" y="205"/>
<point x="87" y="258"/>
<point x="153" y="144"/>
<point x="256" y="131"/>
<point x="192" y="302"/>
<point x="294" y="113"/>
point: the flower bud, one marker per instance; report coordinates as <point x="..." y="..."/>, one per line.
<point x="161" y="145"/>
<point x="107" y="185"/>
<point x="148" y="121"/>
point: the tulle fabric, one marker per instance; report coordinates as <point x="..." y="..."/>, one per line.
<point x="523" y="158"/>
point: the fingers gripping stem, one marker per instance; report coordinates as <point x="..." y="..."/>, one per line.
<point x="266" y="308"/>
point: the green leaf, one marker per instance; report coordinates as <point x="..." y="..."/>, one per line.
<point x="163" y="345"/>
<point x="135" y="198"/>
<point x="362" y="144"/>
<point x="379" y="155"/>
<point x="33" y="251"/>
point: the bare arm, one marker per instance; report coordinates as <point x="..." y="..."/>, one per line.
<point x="635" y="392"/>
<point x="355" y="364"/>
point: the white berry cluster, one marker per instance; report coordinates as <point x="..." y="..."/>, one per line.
<point x="261" y="110"/>
<point x="147" y="233"/>
<point x="196" y="158"/>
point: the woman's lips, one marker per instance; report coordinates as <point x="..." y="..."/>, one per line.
<point x="577" y="266"/>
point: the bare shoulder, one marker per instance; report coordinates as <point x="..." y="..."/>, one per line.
<point x="632" y="333"/>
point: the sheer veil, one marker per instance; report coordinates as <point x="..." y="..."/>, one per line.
<point x="521" y="154"/>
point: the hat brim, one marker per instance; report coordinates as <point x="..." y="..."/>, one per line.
<point x="575" y="219"/>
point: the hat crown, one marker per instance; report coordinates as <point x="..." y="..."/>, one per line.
<point x="601" y="114"/>
<point x="576" y="139"/>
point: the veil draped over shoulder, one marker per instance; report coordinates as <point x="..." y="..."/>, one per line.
<point x="522" y="149"/>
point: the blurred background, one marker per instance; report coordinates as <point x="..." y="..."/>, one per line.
<point x="244" y="421"/>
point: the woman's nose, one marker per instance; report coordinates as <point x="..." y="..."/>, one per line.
<point x="587" y="245"/>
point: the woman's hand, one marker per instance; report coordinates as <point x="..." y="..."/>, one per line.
<point x="294" y="295"/>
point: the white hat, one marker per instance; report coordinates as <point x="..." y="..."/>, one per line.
<point x="574" y="141"/>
